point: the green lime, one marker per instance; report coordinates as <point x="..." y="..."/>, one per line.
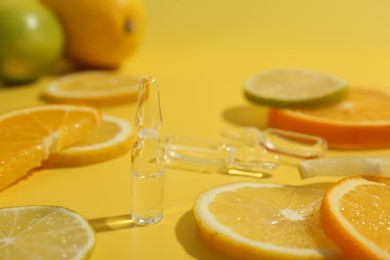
<point x="292" y="88"/>
<point x="31" y="40"/>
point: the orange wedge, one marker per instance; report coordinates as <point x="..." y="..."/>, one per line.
<point x="110" y="139"/>
<point x="97" y="88"/>
<point x="28" y="135"/>
<point x="264" y="221"/>
<point x="355" y="214"/>
<point x="360" y="122"/>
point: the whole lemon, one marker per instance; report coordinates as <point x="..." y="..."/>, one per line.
<point x="31" y="40"/>
<point x="100" y="33"/>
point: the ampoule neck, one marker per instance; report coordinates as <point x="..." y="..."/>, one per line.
<point x="148" y="115"/>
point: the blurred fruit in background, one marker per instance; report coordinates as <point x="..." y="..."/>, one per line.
<point x="100" y="33"/>
<point x="31" y="40"/>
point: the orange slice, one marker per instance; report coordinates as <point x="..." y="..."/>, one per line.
<point x="112" y="138"/>
<point x="28" y="135"/>
<point x="263" y="221"/>
<point x="360" y="122"/>
<point x="97" y="88"/>
<point x="355" y="213"/>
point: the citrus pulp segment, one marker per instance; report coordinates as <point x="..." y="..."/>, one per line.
<point x="355" y="213"/>
<point x="290" y="88"/>
<point x="345" y="166"/>
<point x="270" y="221"/>
<point x="96" y="88"/>
<point x="360" y="122"/>
<point x="44" y="232"/>
<point x="112" y="138"/>
<point x="28" y="135"/>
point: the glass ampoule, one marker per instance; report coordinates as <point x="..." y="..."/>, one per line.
<point x="148" y="166"/>
<point x="205" y="155"/>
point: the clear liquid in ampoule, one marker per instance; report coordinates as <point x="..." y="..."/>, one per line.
<point x="148" y="193"/>
<point x="147" y="178"/>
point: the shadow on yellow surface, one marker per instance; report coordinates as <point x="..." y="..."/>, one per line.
<point x="112" y="223"/>
<point x="188" y="237"/>
<point x="246" y="115"/>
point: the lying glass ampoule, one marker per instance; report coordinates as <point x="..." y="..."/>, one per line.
<point x="243" y="151"/>
<point x="282" y="142"/>
<point x="204" y="155"/>
<point x="148" y="157"/>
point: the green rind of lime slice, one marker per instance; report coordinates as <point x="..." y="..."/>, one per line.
<point x="279" y="90"/>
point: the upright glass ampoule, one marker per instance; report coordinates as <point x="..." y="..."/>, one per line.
<point x="148" y="157"/>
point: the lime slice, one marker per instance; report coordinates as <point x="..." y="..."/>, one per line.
<point x="345" y="166"/>
<point x="292" y="88"/>
<point x="44" y="232"/>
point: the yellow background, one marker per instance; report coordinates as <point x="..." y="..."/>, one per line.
<point x="201" y="52"/>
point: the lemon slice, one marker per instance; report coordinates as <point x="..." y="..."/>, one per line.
<point x="96" y="88"/>
<point x="263" y="221"/>
<point x="290" y="88"/>
<point x="44" y="232"/>
<point x="345" y="166"/>
<point x="112" y="138"/>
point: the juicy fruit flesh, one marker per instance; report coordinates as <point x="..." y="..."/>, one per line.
<point x="263" y="221"/>
<point x="300" y="85"/>
<point x="365" y="214"/>
<point x="95" y="84"/>
<point x="360" y="122"/>
<point x="40" y="232"/>
<point x="361" y="106"/>
<point x="96" y="88"/>
<point x="260" y="219"/>
<point x="112" y="138"/>
<point x="29" y="135"/>
<point x="355" y="213"/>
<point x="105" y="133"/>
<point x="295" y="88"/>
<point x="54" y="126"/>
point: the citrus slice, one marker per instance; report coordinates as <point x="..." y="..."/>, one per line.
<point x="290" y="88"/>
<point x="112" y="138"/>
<point x="345" y="166"/>
<point x="355" y="213"/>
<point x="44" y="232"/>
<point x="263" y="221"/>
<point x="96" y="88"/>
<point x="360" y="122"/>
<point x="28" y="135"/>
